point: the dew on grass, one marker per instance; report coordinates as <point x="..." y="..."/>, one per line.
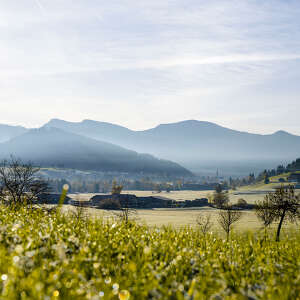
<point x="124" y="295"/>
<point x="4" y="277"/>
<point x="101" y="294"/>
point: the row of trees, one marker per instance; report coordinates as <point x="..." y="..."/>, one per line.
<point x="264" y="175"/>
<point x="280" y="206"/>
<point x="105" y="186"/>
<point x="281" y="169"/>
<point x="226" y="218"/>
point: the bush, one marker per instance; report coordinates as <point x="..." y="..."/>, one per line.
<point x="220" y="199"/>
<point x="242" y="202"/>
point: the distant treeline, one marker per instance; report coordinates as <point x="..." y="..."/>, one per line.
<point x="264" y="175"/>
<point x="105" y="186"/>
<point x="148" y="184"/>
<point x="292" y="167"/>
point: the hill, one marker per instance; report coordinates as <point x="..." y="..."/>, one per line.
<point x="294" y="165"/>
<point x="200" y="146"/>
<point x="8" y="132"/>
<point x="49" y="146"/>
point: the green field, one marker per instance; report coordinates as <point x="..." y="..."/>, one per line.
<point x="57" y="256"/>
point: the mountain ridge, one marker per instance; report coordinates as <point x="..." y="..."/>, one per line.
<point x="196" y="145"/>
<point x="9" y="131"/>
<point x="49" y="146"/>
<point x="201" y="145"/>
<point x="188" y="121"/>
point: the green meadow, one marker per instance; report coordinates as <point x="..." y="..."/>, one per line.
<point x="50" y="255"/>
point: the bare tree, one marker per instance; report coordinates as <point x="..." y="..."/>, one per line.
<point x="79" y="211"/>
<point x="204" y="223"/>
<point x="227" y="217"/>
<point x="220" y="198"/>
<point x="19" y="183"/>
<point x="280" y="206"/>
<point x="116" y="189"/>
<point x="264" y="212"/>
<point x="126" y="211"/>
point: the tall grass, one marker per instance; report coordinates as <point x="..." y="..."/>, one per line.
<point x="49" y="255"/>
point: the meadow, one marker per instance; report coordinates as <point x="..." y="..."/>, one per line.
<point x="49" y="255"/>
<point x="179" y="217"/>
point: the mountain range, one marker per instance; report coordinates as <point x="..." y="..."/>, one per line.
<point x="7" y="132"/>
<point x="50" y="146"/>
<point x="199" y="146"/>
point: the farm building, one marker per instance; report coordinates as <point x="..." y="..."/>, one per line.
<point x="195" y="203"/>
<point x="51" y="198"/>
<point x="132" y="201"/>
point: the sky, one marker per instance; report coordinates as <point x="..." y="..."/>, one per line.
<point x="140" y="63"/>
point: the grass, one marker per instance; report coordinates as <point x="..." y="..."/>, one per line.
<point x="179" y="218"/>
<point x="55" y="256"/>
<point x="184" y="217"/>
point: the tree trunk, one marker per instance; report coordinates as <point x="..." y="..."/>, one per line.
<point x="279" y="226"/>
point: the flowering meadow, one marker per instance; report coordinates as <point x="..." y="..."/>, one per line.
<point x="48" y="255"/>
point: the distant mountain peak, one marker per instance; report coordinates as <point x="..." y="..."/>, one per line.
<point x="190" y="122"/>
<point x="54" y="122"/>
<point x="88" y="121"/>
<point x="282" y="132"/>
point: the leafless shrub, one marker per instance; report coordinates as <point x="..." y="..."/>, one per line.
<point x="220" y="197"/>
<point x="264" y="212"/>
<point x="227" y="217"/>
<point x="79" y="211"/>
<point x="204" y="223"/>
<point x="19" y="182"/>
<point x="242" y="202"/>
<point x="126" y="212"/>
<point x="116" y="188"/>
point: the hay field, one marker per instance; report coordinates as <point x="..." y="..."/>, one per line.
<point x="179" y="217"/>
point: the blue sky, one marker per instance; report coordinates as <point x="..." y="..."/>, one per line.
<point x="140" y="63"/>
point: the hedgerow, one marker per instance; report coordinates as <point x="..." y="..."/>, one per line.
<point x="48" y="255"/>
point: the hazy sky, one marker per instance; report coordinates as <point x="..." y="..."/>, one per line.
<point x="139" y="63"/>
